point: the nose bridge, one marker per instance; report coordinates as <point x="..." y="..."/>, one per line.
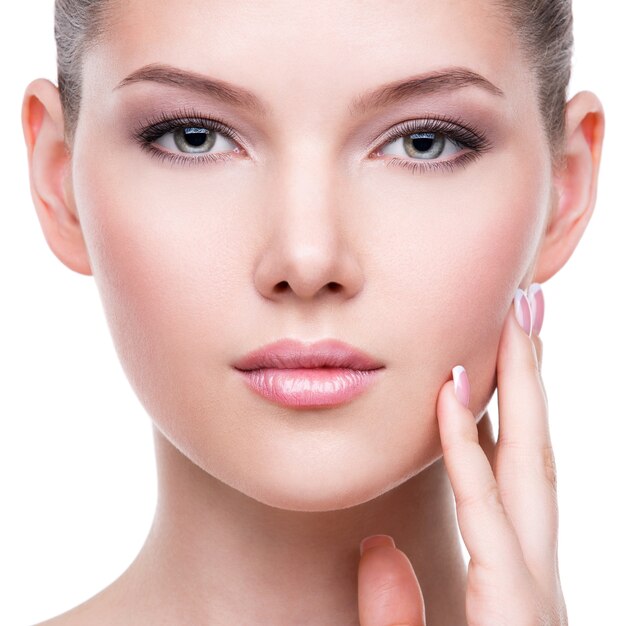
<point x="306" y="205"/>
<point x="306" y="248"/>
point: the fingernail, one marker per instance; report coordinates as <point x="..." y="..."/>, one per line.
<point x="523" y="314"/>
<point x="461" y="385"/>
<point x="376" y="540"/>
<point x="535" y="297"/>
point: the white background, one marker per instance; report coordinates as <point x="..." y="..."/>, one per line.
<point x="77" y="472"/>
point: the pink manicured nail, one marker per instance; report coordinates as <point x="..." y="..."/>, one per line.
<point x="535" y="297"/>
<point x="461" y="385"/>
<point x="376" y="540"/>
<point x="523" y="313"/>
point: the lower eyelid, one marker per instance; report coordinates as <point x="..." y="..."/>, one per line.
<point x="416" y="166"/>
<point x="181" y="158"/>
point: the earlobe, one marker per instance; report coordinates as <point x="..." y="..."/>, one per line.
<point x="574" y="185"/>
<point x="49" y="164"/>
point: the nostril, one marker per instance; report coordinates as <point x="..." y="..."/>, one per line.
<point x="283" y="285"/>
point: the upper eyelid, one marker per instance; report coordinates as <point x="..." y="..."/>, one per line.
<point x="174" y="123"/>
<point x="189" y="115"/>
<point x="434" y="123"/>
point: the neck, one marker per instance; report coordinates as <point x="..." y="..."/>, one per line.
<point x="215" y="555"/>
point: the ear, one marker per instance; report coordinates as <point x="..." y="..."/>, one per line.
<point x="575" y="184"/>
<point x="50" y="171"/>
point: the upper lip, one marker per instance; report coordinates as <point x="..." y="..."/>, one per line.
<point x="291" y="353"/>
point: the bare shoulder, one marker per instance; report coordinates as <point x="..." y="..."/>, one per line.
<point x="86" y="613"/>
<point x="126" y="595"/>
<point x="98" y="610"/>
<point x="65" y="619"/>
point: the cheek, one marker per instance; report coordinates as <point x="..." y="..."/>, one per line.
<point x="455" y="255"/>
<point x="167" y="268"/>
<point x="497" y="253"/>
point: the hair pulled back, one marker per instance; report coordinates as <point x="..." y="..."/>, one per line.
<point x="544" y="28"/>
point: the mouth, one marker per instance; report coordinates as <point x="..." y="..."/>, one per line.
<point x="322" y="374"/>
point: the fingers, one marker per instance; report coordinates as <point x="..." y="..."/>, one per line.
<point x="486" y="438"/>
<point x="537" y="305"/>
<point x="525" y="468"/>
<point x="389" y="594"/>
<point x="486" y="530"/>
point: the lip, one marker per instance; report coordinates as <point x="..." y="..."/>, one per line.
<point x="296" y="374"/>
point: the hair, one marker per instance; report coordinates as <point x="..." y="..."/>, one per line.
<point x="79" y="25"/>
<point x="543" y="27"/>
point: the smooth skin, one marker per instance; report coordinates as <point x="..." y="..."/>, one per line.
<point x="310" y="231"/>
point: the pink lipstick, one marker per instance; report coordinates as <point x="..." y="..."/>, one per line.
<point x="295" y="374"/>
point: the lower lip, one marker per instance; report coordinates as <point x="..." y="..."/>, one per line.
<point x="309" y="387"/>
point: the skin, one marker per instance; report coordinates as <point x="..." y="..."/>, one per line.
<point x="261" y="508"/>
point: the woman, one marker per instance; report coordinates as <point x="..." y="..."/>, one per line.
<point x="303" y="264"/>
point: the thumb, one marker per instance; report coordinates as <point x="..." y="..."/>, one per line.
<point x="389" y="594"/>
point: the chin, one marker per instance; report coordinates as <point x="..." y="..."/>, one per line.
<point x="316" y="486"/>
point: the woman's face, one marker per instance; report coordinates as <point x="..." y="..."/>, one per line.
<point x="316" y="227"/>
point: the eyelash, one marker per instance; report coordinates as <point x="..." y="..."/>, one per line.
<point x="154" y="128"/>
<point x="455" y="130"/>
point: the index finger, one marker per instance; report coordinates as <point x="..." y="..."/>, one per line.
<point x="525" y="468"/>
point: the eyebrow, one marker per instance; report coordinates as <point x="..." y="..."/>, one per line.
<point x="192" y="81"/>
<point x="447" y="79"/>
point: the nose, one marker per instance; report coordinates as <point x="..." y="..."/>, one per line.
<point x="308" y="251"/>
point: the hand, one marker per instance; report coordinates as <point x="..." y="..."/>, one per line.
<point x="505" y="500"/>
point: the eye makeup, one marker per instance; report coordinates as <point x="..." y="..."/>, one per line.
<point x="453" y="129"/>
<point x="157" y="126"/>
<point x="433" y="128"/>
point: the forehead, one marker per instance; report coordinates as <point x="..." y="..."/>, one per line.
<point x="320" y="50"/>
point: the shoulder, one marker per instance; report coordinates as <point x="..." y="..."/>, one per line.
<point x="95" y="611"/>
<point x="82" y="614"/>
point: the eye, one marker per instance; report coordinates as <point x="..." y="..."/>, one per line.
<point x="195" y="140"/>
<point x="186" y="133"/>
<point x="424" y="145"/>
<point x="428" y="144"/>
